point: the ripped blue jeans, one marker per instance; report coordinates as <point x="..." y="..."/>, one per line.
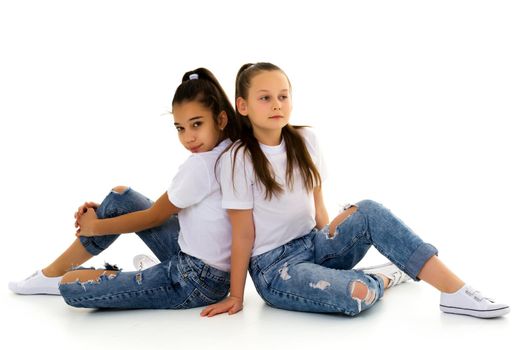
<point x="180" y="281"/>
<point x="314" y="273"/>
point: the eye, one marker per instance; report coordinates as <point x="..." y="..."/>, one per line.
<point x="179" y="129"/>
<point x="264" y="98"/>
<point x="283" y="97"/>
<point x="197" y="124"/>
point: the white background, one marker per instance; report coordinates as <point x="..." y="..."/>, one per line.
<point x="418" y="105"/>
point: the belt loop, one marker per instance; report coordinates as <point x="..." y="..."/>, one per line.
<point x="204" y="271"/>
<point x="184" y="266"/>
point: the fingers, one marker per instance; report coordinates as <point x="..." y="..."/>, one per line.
<point x="213" y="310"/>
<point x="217" y="311"/>
<point x="235" y="309"/>
<point x="206" y="311"/>
<point x="220" y="308"/>
<point x="82" y="209"/>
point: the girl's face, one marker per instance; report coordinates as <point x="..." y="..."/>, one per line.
<point x="197" y="130"/>
<point x="269" y="103"/>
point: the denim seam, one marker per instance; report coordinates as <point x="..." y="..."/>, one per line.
<point x="397" y="263"/>
<point x="195" y="293"/>
<point x="343" y="250"/>
<point x="203" y="287"/>
<point x="91" y="247"/>
<point x="354" y="240"/>
<point x="194" y="277"/>
<point x="425" y="250"/>
<point x="333" y="306"/>
<point x="158" y="243"/>
<point x="269" y="267"/>
<point x="106" y="296"/>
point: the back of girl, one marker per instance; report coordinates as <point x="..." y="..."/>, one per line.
<point x="186" y="228"/>
<point x="271" y="182"/>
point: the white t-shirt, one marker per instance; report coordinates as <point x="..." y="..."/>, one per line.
<point x="205" y="230"/>
<point x="286" y="216"/>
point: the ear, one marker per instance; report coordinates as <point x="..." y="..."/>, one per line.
<point x="242" y="107"/>
<point x="222" y="120"/>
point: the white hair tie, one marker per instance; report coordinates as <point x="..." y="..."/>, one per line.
<point x="194" y="76"/>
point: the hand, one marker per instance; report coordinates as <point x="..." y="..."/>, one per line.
<point x="231" y="305"/>
<point x="82" y="209"/>
<point x="86" y="223"/>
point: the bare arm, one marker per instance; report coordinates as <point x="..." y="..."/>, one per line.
<point x="137" y="221"/>
<point x="243" y="237"/>
<point x="321" y="215"/>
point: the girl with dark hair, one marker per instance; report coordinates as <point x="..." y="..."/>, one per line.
<point x="271" y="185"/>
<point x="186" y="228"/>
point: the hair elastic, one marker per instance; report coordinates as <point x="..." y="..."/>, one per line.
<point x="193" y="76"/>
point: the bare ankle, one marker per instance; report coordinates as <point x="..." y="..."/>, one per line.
<point x="50" y="272"/>
<point x="453" y="288"/>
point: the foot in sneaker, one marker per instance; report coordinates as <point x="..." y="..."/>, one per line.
<point x="390" y="271"/>
<point x="468" y="301"/>
<point x="37" y="283"/>
<point x="143" y="262"/>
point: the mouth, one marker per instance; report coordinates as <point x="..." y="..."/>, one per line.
<point x="195" y="149"/>
<point x="276" y="117"/>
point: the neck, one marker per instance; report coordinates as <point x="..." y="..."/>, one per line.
<point x="268" y="137"/>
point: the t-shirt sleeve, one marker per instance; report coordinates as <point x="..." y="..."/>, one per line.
<point x="236" y="184"/>
<point x="191" y="184"/>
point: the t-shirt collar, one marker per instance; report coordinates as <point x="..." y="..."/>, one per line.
<point x="280" y="148"/>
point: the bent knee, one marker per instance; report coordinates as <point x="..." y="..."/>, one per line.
<point x="361" y="292"/>
<point x="340" y="218"/>
<point x="120" y="189"/>
<point x="369" y="204"/>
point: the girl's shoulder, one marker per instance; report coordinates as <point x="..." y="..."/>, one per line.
<point x="235" y="149"/>
<point x="205" y="160"/>
<point x="236" y="156"/>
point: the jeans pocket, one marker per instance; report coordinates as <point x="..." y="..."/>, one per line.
<point x="216" y="290"/>
<point x="195" y="299"/>
<point x="269" y="260"/>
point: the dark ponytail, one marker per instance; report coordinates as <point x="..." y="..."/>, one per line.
<point x="200" y="85"/>
<point x="296" y="152"/>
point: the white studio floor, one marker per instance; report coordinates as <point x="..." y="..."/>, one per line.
<point x="407" y="317"/>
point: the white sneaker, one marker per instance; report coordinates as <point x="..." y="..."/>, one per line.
<point x="390" y="271"/>
<point x="37" y="283"/>
<point x="468" y="301"/>
<point x="143" y="262"/>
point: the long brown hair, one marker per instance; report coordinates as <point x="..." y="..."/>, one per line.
<point x="296" y="152"/>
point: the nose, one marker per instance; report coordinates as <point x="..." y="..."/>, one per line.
<point x="277" y="107"/>
<point x="189" y="137"/>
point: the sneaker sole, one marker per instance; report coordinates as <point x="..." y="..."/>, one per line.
<point x="475" y="313"/>
<point x="34" y="291"/>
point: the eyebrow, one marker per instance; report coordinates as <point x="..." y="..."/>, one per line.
<point x="192" y="119"/>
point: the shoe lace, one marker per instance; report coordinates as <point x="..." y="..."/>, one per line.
<point x="397" y="278"/>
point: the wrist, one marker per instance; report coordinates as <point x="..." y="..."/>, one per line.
<point x="236" y="297"/>
<point x="96" y="227"/>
